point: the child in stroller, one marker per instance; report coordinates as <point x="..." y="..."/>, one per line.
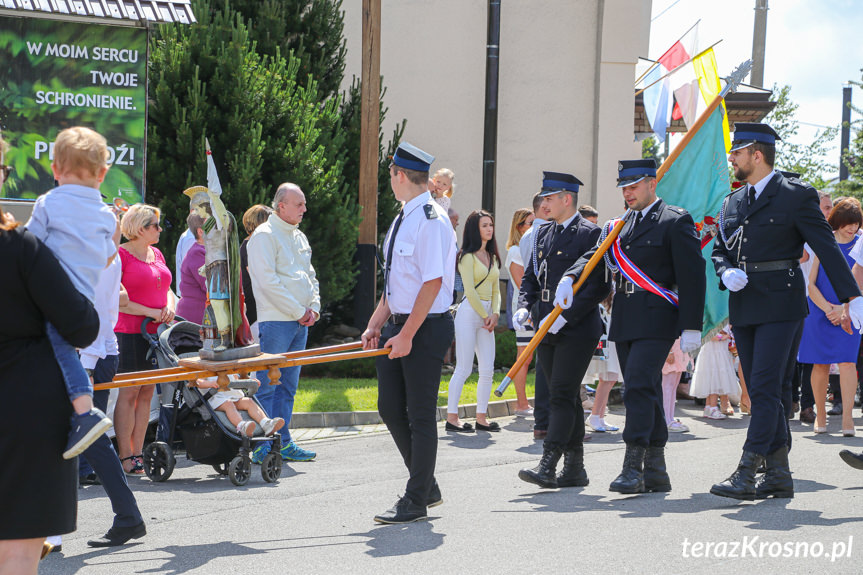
<point x="233" y="401"/>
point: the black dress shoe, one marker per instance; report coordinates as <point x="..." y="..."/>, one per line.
<point x="492" y="426"/>
<point x="435" y="498"/>
<point x="855" y="460"/>
<point x="807" y="415"/>
<point x="465" y="428"/>
<point x="404" y="511"/>
<point x="91" y="479"/>
<point x="119" y="536"/>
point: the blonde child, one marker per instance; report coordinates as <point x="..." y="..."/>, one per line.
<point x="74" y="222"/>
<point x="443" y="187"/>
<point x="233" y="401"/>
<point x="715" y="376"/>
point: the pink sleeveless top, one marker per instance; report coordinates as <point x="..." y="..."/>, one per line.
<point x="147" y="284"/>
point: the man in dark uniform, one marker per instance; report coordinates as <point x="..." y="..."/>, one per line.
<point x="566" y="351"/>
<point x="763" y="226"/>
<point x="417" y="326"/>
<point x="660" y="241"/>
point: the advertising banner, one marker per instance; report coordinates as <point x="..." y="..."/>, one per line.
<point x="55" y="75"/>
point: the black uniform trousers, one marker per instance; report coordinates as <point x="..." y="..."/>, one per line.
<point x="565" y="360"/>
<point x="102" y="458"/>
<point x="541" y="399"/>
<point x="641" y="361"/>
<point x="768" y="353"/>
<point x="407" y="399"/>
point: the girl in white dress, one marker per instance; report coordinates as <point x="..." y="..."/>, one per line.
<point x="443" y="187"/>
<point x="715" y="374"/>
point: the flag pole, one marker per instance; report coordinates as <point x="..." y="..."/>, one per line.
<point x="731" y="84"/>
<point x="656" y="63"/>
<point x="661" y="78"/>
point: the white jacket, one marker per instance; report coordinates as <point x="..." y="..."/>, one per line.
<point x="280" y="267"/>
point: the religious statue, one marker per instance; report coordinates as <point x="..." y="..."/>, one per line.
<point x="223" y="279"/>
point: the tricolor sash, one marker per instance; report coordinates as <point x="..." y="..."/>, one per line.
<point x="633" y="273"/>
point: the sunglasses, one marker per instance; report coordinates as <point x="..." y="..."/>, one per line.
<point x="152" y="225"/>
<point x="6" y="170"/>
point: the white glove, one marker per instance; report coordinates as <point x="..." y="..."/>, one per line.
<point x="855" y="311"/>
<point x="735" y="279"/>
<point x="690" y="340"/>
<point x="563" y="295"/>
<point x="556" y="326"/>
<point x="519" y="318"/>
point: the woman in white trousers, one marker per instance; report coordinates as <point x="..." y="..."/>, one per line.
<point x="476" y="318"/>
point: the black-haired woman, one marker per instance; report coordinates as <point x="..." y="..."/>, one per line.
<point x="476" y="318"/>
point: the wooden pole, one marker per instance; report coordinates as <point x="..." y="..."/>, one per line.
<point x="543" y="328"/>
<point x="603" y="247"/>
<point x="370" y="120"/>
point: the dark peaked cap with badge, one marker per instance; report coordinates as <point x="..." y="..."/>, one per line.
<point x="556" y="182"/>
<point x="410" y="157"/>
<point x="746" y="134"/>
<point x="633" y="171"/>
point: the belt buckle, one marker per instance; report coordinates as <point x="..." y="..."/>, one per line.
<point x="545" y="295"/>
<point x="628" y="287"/>
<point x="742" y="266"/>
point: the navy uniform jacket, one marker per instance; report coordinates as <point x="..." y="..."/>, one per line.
<point x="558" y="252"/>
<point x="666" y="247"/>
<point x="784" y="216"/>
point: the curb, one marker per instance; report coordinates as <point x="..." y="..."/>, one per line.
<point x="501" y="408"/>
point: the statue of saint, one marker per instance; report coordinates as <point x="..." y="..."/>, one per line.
<point x="221" y="268"/>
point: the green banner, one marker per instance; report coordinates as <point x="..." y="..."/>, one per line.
<point x="55" y="75"/>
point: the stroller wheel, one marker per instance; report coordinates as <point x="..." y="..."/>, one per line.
<point x="159" y="461"/>
<point x="240" y="470"/>
<point x="221" y="468"/>
<point x="271" y="467"/>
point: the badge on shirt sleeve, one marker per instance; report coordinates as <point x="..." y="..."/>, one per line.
<point x="431" y="213"/>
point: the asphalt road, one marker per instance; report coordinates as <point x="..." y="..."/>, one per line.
<point x="318" y="517"/>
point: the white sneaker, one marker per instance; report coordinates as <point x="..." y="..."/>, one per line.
<point x="270" y="426"/>
<point x="677" y="427"/>
<point x="246" y="428"/>
<point x="524" y="412"/>
<point x="608" y="426"/>
<point x="712" y="412"/>
<point x="598" y="424"/>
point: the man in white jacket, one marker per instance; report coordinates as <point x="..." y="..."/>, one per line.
<point x="288" y="303"/>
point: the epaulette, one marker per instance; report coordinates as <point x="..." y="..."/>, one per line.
<point x="430" y="212"/>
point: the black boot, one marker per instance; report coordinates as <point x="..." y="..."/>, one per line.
<point x="741" y="484"/>
<point x="655" y="476"/>
<point x="543" y="474"/>
<point x="573" y="473"/>
<point x="631" y="479"/>
<point x="776" y="482"/>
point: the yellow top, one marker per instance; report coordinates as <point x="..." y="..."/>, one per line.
<point x="472" y="270"/>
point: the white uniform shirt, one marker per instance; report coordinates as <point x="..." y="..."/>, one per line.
<point x="424" y="250"/>
<point x="525" y="244"/>
<point x="78" y="227"/>
<point x="107" y="305"/>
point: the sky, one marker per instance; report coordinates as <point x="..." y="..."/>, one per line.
<point x="812" y="45"/>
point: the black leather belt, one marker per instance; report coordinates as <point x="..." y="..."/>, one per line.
<point x="401" y="318"/>
<point x="772" y="266"/>
<point x="626" y="286"/>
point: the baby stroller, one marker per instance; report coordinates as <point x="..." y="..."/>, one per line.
<point x="208" y="436"/>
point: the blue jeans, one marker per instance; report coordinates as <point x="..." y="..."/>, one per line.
<point x="102" y="458"/>
<point x="74" y="375"/>
<point x="278" y="400"/>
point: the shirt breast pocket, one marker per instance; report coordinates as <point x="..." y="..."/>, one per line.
<point x="403" y="249"/>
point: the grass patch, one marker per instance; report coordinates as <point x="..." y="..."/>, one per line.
<point x="329" y="394"/>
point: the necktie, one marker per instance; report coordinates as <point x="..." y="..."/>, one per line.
<point x="638" y="218"/>
<point x="558" y="230"/>
<point x="395" y="231"/>
<point x="751" y="196"/>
